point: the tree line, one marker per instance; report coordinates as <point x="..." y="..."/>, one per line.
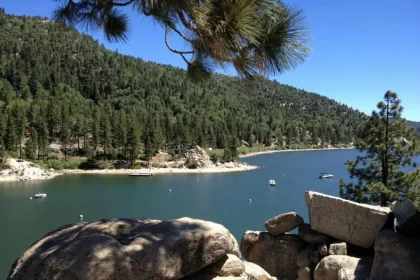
<point x="60" y="86"/>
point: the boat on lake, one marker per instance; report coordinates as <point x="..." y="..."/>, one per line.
<point x="271" y="183"/>
<point x="40" y="195"/>
<point x="325" y="175"/>
<point x="142" y="174"/>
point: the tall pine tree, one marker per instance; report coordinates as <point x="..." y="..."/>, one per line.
<point x="387" y="144"/>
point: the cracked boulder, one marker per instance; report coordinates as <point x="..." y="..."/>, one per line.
<point x="126" y="249"/>
<point x="352" y="222"/>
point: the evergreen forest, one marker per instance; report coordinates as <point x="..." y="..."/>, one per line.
<point x="60" y="86"/>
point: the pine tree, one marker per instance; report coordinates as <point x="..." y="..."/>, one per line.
<point x="133" y="139"/>
<point x="96" y="128"/>
<point x="387" y="144"/>
<point x="11" y="135"/>
<point x="264" y="37"/>
<point x="65" y="128"/>
<point x="31" y="145"/>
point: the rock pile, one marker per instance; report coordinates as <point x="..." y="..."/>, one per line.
<point x="137" y="249"/>
<point x="344" y="240"/>
<point x="21" y="170"/>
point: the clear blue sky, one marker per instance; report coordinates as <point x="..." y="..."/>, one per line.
<point x="360" y="48"/>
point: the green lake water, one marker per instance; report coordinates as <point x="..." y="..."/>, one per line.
<point x="222" y="198"/>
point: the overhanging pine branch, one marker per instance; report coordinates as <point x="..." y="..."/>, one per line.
<point x="173" y="50"/>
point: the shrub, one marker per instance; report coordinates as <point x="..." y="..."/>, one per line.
<point x="215" y="158"/>
<point x="136" y="166"/>
<point x="105" y="165"/>
<point x="191" y="164"/>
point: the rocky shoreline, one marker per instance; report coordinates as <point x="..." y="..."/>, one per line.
<point x="21" y="170"/>
<point x="343" y="240"/>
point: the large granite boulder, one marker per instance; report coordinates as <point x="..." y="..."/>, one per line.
<point x="283" y="223"/>
<point x="407" y="218"/>
<point x="396" y="257"/>
<point x="276" y="254"/>
<point x="345" y="220"/>
<point x="125" y="249"/>
<point x="312" y="236"/>
<point x="329" y="268"/>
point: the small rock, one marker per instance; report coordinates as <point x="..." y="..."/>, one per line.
<point x="304" y="257"/>
<point x="323" y="249"/>
<point x="283" y="223"/>
<point x="230" y="265"/>
<point x="407" y="218"/>
<point x="315" y="257"/>
<point x="328" y="268"/>
<point x="255" y="272"/>
<point x="209" y="276"/>
<point x="304" y="273"/>
<point x="312" y="236"/>
<point x="338" y="248"/>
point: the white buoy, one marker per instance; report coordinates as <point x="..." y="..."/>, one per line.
<point x="30" y="197"/>
<point x="170" y="190"/>
<point x="250" y="200"/>
<point x="81" y="218"/>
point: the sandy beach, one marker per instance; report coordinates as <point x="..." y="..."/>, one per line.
<point x="27" y="171"/>
<point x="158" y="171"/>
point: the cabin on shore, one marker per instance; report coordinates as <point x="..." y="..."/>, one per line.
<point x="179" y="148"/>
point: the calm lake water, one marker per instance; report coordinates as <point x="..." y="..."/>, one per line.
<point x="222" y="198"/>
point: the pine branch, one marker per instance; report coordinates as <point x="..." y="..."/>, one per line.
<point x="173" y="50"/>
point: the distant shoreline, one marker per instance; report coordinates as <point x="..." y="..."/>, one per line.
<point x="291" y="150"/>
<point x="156" y="171"/>
<point x="232" y="167"/>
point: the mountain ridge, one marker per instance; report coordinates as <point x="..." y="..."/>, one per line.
<point x="66" y="87"/>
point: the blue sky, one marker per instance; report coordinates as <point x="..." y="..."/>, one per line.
<point x="360" y="48"/>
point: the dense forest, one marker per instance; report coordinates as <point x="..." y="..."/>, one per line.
<point x="60" y="86"/>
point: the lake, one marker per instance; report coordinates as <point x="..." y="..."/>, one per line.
<point x="222" y="198"/>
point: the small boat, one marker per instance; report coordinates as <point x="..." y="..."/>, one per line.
<point x="142" y="174"/>
<point x="271" y="183"/>
<point x="325" y="176"/>
<point x="40" y="195"/>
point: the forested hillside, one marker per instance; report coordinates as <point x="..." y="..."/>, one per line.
<point x="57" y="85"/>
<point x="416" y="125"/>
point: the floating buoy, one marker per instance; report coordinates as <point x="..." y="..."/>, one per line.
<point x="30" y="197"/>
<point x="170" y="190"/>
<point x="81" y="216"/>
<point x="250" y="200"/>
